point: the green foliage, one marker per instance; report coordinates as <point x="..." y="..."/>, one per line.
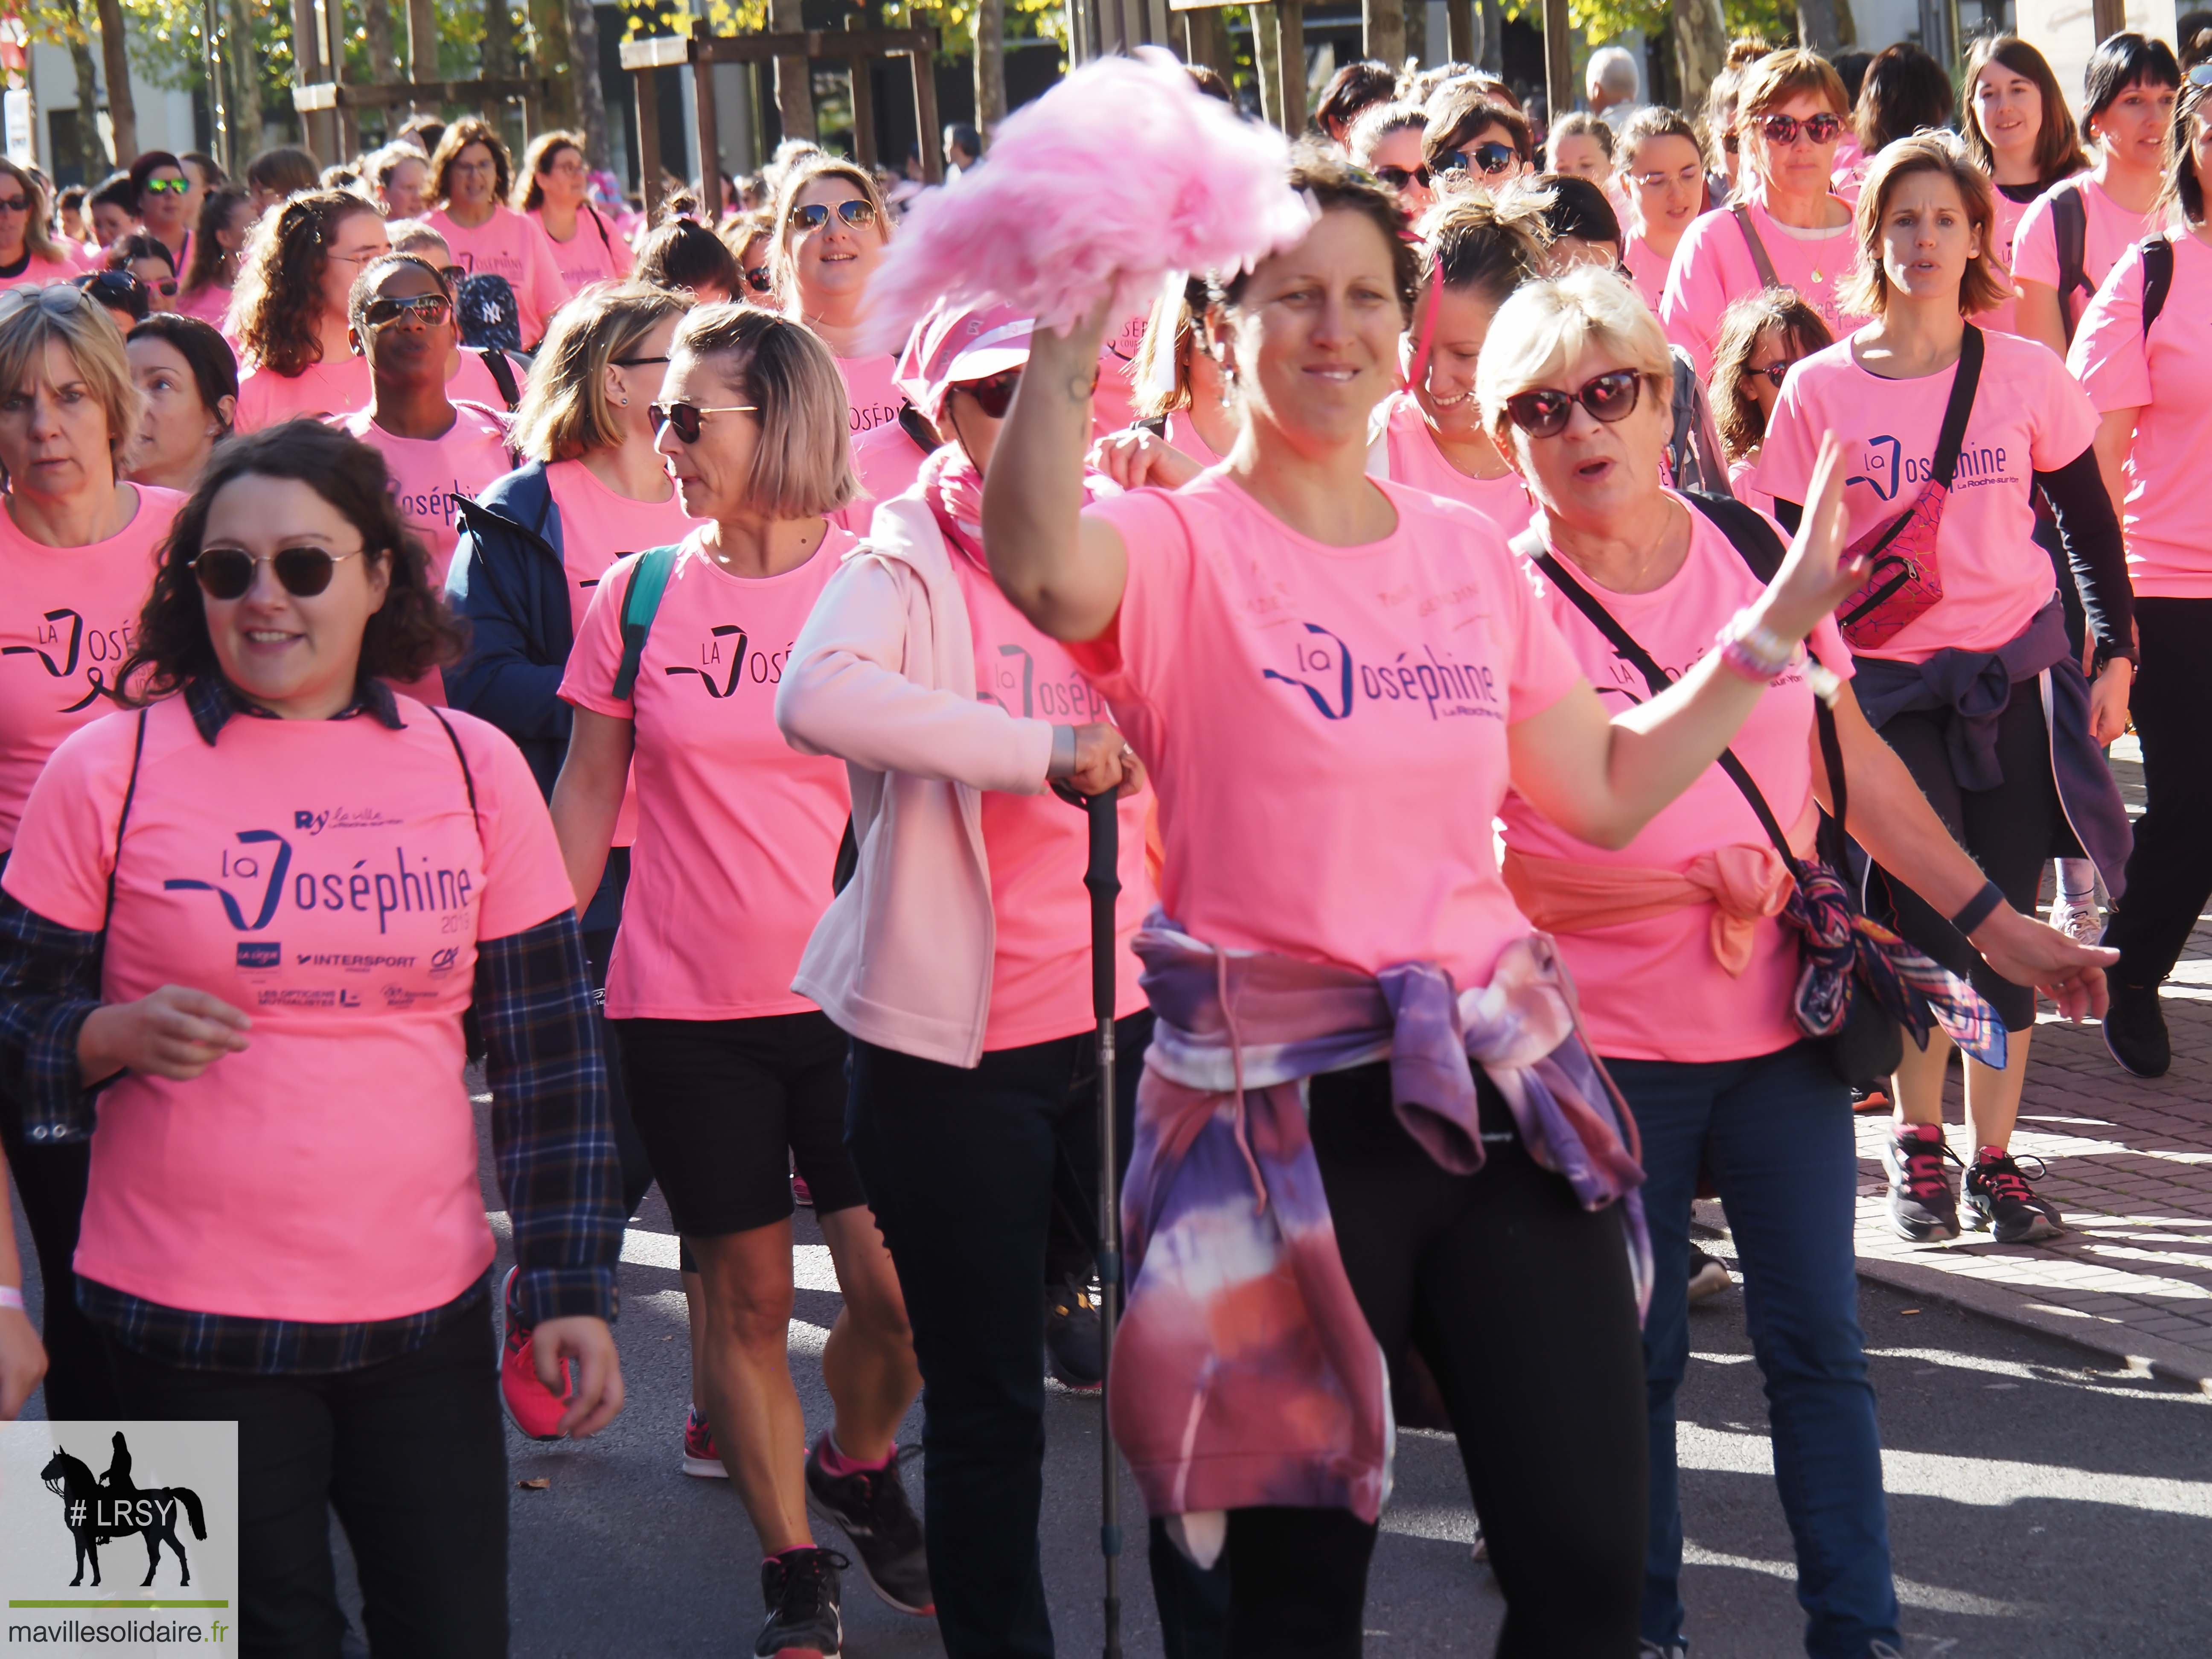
<point x="1599" y="20"/>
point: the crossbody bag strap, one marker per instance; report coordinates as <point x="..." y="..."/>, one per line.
<point x="648" y="579"/>
<point x="2158" y="278"/>
<point x="1654" y="677"/>
<point x="122" y="819"/>
<point x="1964" y="384"/>
<point x="1742" y="215"/>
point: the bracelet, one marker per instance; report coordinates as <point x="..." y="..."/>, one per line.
<point x="11" y="1296"/>
<point x="1979" y="908"/>
<point x="1753" y="650"/>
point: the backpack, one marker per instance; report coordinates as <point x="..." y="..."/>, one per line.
<point x="1694" y="459"/>
<point x="502" y="376"/>
<point x="2069" y="228"/>
<point x="484" y="303"/>
<point x="2158" y="278"/>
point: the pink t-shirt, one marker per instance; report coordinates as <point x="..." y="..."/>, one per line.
<point x="508" y="245"/>
<point x="1744" y="484"/>
<point x="328" y="877"/>
<point x="2029" y="416"/>
<point x="2111" y="230"/>
<point x="1182" y="434"/>
<point x="1713" y="268"/>
<point x="1653" y="989"/>
<point x="1647" y="269"/>
<point x="1113" y="404"/>
<point x="71" y="617"/>
<point x="41" y="273"/>
<point x="2005" y="230"/>
<point x="1416" y="460"/>
<point x="210" y="304"/>
<point x="589" y="256"/>
<point x="1326" y="726"/>
<point x="888" y="462"/>
<point x="427" y="473"/>
<point x="872" y="397"/>
<point x="1038" y="845"/>
<point x="737" y="832"/>
<point x="2168" y="380"/>
<point x="341" y="387"/>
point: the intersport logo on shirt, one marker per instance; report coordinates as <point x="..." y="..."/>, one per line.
<point x="1338" y="683"/>
<point x="117" y="1537"/>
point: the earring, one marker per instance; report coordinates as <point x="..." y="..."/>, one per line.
<point x="625" y="403"/>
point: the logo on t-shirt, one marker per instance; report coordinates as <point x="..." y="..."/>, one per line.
<point x="726" y="662"/>
<point x="1012" y="683"/>
<point x="1337" y="683"/>
<point x="866" y="417"/>
<point x="429" y="505"/>
<point x="1885" y="466"/>
<point x="62" y="643"/>
<point x="255" y="879"/>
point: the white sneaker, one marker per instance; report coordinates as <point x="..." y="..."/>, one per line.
<point x="2078" y="919"/>
<point x="1672" y="1651"/>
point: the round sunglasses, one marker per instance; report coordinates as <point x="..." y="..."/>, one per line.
<point x="687" y="420"/>
<point x="1543" y="412"/>
<point x="225" y="572"/>
<point x="994" y="396"/>
<point x="814" y="215"/>
<point x="1492" y="158"/>
<point x="1782" y="130"/>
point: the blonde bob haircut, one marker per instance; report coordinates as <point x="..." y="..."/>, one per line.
<point x="803" y="463"/>
<point x="796" y="183"/>
<point x="1865" y="289"/>
<point x="564" y="412"/>
<point x="1545" y="325"/>
<point x="94" y="342"/>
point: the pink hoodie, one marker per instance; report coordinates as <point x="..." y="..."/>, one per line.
<point x="884" y="677"/>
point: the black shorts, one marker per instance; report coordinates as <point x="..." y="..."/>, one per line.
<point x="726" y="1106"/>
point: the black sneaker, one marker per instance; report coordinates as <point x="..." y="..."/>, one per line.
<point x="2000" y="1200"/>
<point x="803" y="1622"/>
<point x="1921" y="1206"/>
<point x="1074" y="1350"/>
<point x="1707" y="1276"/>
<point x="2135" y="1031"/>
<point x="870" y="1507"/>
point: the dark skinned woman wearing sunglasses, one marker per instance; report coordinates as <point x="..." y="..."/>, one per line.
<point x="76" y="556"/>
<point x="284" y="1226"/>
<point x="1786" y="227"/>
<point x="831" y="229"/>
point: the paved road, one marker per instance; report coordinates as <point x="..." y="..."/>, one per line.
<point x="2044" y="1502"/>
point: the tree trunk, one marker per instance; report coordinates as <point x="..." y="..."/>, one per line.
<point x="245" y="67"/>
<point x="1816" y="26"/>
<point x="498" y="39"/>
<point x="1383" y="27"/>
<point x="383" y="41"/>
<point x="1700" y="34"/>
<point x="1493" y="37"/>
<point x="794" y="86"/>
<point x="1462" y="44"/>
<point x="591" y="95"/>
<point x="555" y="56"/>
<point x="990" y="65"/>
<point x="1267" y="62"/>
<point x="121" y="108"/>
<point x="1417" y="31"/>
<point x="91" y="158"/>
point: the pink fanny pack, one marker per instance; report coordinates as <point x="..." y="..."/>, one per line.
<point x="1904" y="579"/>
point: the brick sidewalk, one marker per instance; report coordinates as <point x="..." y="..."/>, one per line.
<point x="2130" y="1165"/>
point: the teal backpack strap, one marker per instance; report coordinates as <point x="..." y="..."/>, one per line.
<point x="648" y="581"/>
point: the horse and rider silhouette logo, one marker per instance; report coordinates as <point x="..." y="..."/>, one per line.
<point x="99" y="1511"/>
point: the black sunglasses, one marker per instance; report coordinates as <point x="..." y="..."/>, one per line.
<point x="758" y="279"/>
<point x="687" y="418"/>
<point x="1543" y="412"/>
<point x="167" y="288"/>
<point x="1492" y="158"/>
<point x="858" y="214"/>
<point x="428" y="309"/>
<point x="15" y="204"/>
<point x="1782" y="130"/>
<point x="1775" y="372"/>
<point x="225" y="572"/>
<point x="994" y="396"/>
<point x="1399" y="178"/>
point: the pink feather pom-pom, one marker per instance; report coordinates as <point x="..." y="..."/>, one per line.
<point x="1122" y="172"/>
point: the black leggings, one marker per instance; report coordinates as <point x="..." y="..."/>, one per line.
<point x="2170" y="872"/>
<point x="1520" y="1302"/>
<point x="2010" y="830"/>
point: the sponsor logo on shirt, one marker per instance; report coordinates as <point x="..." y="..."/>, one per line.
<point x="441" y="961"/>
<point x="1012" y="683"/>
<point x="307" y="996"/>
<point x="726" y="662"/>
<point x="259" y="954"/>
<point x="1338" y="684"/>
<point x="61" y="643"/>
<point x="352" y="961"/>
<point x="1883" y="467"/>
<point x="255" y="879"/>
<point x="342" y="818"/>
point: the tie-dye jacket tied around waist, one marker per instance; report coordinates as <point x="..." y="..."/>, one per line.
<point x="1244" y="1372"/>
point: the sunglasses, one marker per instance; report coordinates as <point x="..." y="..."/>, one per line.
<point x="686" y="418"/>
<point x="1782" y="130"/>
<point x="59" y="299"/>
<point x="166" y="186"/>
<point x="428" y="309"/>
<point x="1775" y="372"/>
<point x="995" y="395"/>
<point x="758" y="280"/>
<point x="1399" y="178"/>
<point x="225" y="572"/>
<point x="1492" y="158"/>
<point x="635" y="362"/>
<point x="1543" y="412"/>
<point x="812" y="216"/>
<point x="166" y="287"/>
<point x="15" y="204"/>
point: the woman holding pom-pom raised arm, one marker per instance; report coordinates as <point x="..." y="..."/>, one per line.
<point x="1332" y="680"/>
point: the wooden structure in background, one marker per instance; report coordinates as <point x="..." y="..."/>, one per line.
<point x="350" y="97"/>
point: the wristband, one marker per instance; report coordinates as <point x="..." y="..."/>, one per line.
<point x="1979" y="908"/>
<point x="11" y="1297"/>
<point x="1754" y="651"/>
<point x="1062" y="763"/>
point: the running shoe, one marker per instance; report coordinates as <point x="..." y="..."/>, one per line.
<point x="1707" y="1276"/>
<point x="801" y="1195"/>
<point x="804" y="1618"/>
<point x="530" y="1405"/>
<point x="700" y="1457"/>
<point x="2000" y="1200"/>
<point x="1870" y="1097"/>
<point x="1074" y="1345"/>
<point x="2135" y="1031"/>
<point x="2079" y="919"/>
<point x="1921" y="1206"/>
<point x="870" y="1507"/>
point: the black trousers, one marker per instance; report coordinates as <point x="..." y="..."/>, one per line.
<point x="2170" y="871"/>
<point x="1521" y="1302"/>
<point x="51" y="1181"/>
<point x="413" y="1455"/>
<point x="2010" y="830"/>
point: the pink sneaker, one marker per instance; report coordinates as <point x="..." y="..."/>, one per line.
<point x="530" y="1405"/>
<point x="700" y="1457"/>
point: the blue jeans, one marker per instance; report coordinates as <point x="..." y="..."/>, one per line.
<point x="1775" y="1133"/>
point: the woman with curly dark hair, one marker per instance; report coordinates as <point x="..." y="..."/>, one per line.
<point x="218" y="249"/>
<point x="223" y="859"/>
<point x="471" y="177"/>
<point x="289" y="307"/>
